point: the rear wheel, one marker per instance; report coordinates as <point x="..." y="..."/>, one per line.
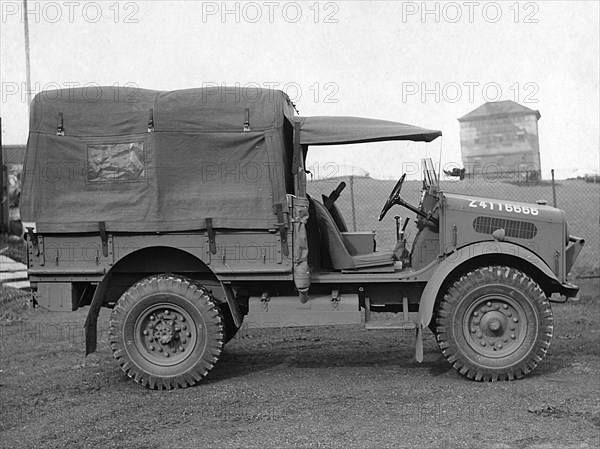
<point x="494" y="323"/>
<point x="166" y="332"/>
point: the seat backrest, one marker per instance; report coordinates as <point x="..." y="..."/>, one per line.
<point x="336" y="215"/>
<point x="314" y="239"/>
<point x="333" y="240"/>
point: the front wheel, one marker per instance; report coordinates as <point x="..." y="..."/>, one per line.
<point x="494" y="323"/>
<point x="166" y="331"/>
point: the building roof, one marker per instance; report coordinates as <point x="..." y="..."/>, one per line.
<point x="13" y="154"/>
<point x="496" y="108"/>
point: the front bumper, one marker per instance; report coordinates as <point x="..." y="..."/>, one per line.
<point x="574" y="247"/>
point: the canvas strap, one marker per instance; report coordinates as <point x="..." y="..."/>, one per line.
<point x="151" y="121"/>
<point x="60" y="129"/>
<point x="211" y="236"/>
<point x="103" y="237"/>
<point x="247" y="120"/>
<point x="281" y="228"/>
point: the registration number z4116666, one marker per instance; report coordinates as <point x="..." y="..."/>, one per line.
<point x="504" y="207"/>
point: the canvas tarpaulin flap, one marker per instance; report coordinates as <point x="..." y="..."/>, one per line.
<point x="97" y="111"/>
<point x="67" y="187"/>
<point x="137" y="188"/>
<point x="230" y="183"/>
<point x="108" y="168"/>
<point x="190" y="110"/>
<point x="300" y="247"/>
<point x="345" y="130"/>
<point x="94" y="111"/>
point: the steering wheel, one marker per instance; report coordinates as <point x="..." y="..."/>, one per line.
<point x="393" y="198"/>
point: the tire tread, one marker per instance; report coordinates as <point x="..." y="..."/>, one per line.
<point x="204" y="302"/>
<point x="477" y="278"/>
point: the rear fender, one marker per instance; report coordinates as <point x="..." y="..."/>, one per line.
<point x="477" y="255"/>
<point x="167" y="259"/>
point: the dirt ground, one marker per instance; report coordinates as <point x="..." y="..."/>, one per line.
<point x="305" y="387"/>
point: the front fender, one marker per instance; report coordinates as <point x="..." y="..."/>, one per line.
<point x="486" y="253"/>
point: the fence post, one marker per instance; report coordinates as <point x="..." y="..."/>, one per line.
<point x="351" y="181"/>
<point x="553" y="189"/>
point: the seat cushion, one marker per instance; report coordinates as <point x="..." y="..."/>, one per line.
<point x="373" y="259"/>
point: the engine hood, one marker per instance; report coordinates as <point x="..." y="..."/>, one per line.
<point x="514" y="210"/>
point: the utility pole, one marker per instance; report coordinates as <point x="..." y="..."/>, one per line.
<point x="3" y="190"/>
<point x="27" y="64"/>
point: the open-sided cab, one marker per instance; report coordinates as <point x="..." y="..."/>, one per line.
<point x="337" y="249"/>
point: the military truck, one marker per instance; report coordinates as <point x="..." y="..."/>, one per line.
<point x="186" y="212"/>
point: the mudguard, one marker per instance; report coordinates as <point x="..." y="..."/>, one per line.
<point x="91" y="322"/>
<point x="98" y="299"/>
<point x="465" y="254"/>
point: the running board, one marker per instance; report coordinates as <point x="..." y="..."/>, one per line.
<point x="404" y="324"/>
<point x="391" y="324"/>
<point x="288" y="311"/>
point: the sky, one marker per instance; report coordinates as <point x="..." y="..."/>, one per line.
<point x="422" y="63"/>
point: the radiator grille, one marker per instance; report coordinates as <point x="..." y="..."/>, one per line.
<point x="513" y="228"/>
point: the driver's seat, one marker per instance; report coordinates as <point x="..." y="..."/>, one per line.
<point x="341" y="258"/>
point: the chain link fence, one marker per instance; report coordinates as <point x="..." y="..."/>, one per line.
<point x="363" y="198"/>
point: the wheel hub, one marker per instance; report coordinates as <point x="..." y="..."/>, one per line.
<point x="164" y="332"/>
<point x="493" y="323"/>
<point x="495" y="326"/>
<point x="164" y="336"/>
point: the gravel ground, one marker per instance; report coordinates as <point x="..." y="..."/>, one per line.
<point x="306" y="387"/>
